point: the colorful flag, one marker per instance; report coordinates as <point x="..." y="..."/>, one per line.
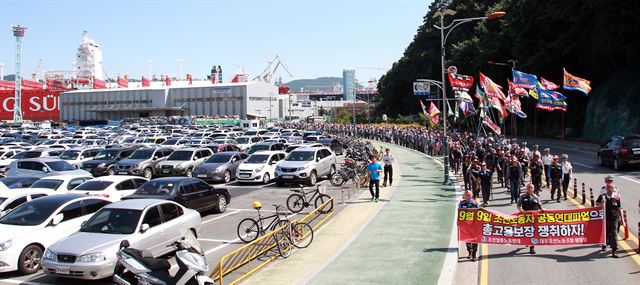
<point x="424" y="109"/>
<point x="546" y="84"/>
<point x="512" y="104"/>
<point x="524" y="80"/>
<point x="463" y="95"/>
<point x="497" y="104"/>
<point x="576" y="83"/>
<point x="487" y="122"/>
<point x="551" y="100"/>
<point x="491" y="88"/>
<point x="122" y="83"/>
<point x="533" y="92"/>
<point x="145" y="82"/>
<point x="433" y="110"/>
<point x="467" y="109"/>
<point x="461" y="84"/>
<point x="515" y="90"/>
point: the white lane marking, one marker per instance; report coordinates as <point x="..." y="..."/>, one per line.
<point x="632" y="180"/>
<point x="451" y="259"/>
<point x="266" y="185"/>
<point x="220" y="217"/>
<point x="583" y="165"/>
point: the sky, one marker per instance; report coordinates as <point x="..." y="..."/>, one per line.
<point x="315" y="38"/>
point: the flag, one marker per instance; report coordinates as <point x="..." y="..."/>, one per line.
<point x="467" y="109"/>
<point x="515" y="90"/>
<point x="122" y="83"/>
<point x="487" y="122"/>
<point x="460" y="84"/>
<point x="463" y="95"/>
<point x="497" y="104"/>
<point x="424" y="109"/>
<point x="533" y="92"/>
<point x="512" y="104"/>
<point x="145" y="82"/>
<point x="576" y="83"/>
<point x="433" y="115"/>
<point x="491" y="88"/>
<point x="449" y="111"/>
<point x="546" y="84"/>
<point x="524" y="80"/>
<point x="551" y="100"/>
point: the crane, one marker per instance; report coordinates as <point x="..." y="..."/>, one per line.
<point x="269" y="72"/>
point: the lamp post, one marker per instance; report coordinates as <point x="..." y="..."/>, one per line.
<point x="443" y="39"/>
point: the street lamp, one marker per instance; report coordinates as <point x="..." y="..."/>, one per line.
<point x="443" y="39"/>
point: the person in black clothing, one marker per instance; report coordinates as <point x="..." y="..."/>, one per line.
<point x="456" y="156"/>
<point x="536" y="168"/>
<point x="530" y="202"/>
<point x="514" y="172"/>
<point x="524" y="164"/>
<point x="612" y="204"/>
<point x="556" y="176"/>
<point x="500" y="164"/>
<point x="465" y="167"/>
<point x="485" y="176"/>
<point x="474" y="178"/>
<point x="469" y="203"/>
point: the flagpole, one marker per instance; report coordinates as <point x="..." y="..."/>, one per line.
<point x="562" y="128"/>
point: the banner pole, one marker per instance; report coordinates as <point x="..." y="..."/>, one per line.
<point x="562" y="128"/>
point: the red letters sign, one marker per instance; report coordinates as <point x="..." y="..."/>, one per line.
<point x="552" y="227"/>
<point x="37" y="105"/>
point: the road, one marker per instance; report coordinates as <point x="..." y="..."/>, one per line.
<point x="218" y="234"/>
<point x="502" y="264"/>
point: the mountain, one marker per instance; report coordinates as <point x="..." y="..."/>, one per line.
<point x="308" y="84"/>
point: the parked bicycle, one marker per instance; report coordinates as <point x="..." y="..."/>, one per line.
<point x="298" y="201"/>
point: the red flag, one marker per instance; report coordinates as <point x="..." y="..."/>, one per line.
<point x="515" y="90"/>
<point x="145" y="82"/>
<point x="497" y="104"/>
<point x="424" y="108"/>
<point x="491" y="88"/>
<point x="122" y="83"/>
<point x="546" y="84"/>
<point x="433" y="110"/>
<point x="489" y="123"/>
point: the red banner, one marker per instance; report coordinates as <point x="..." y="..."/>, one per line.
<point x="37" y="105"/>
<point x="550" y="227"/>
<point x="122" y="83"/>
<point x="145" y="82"/>
<point x="30" y="84"/>
<point x="462" y="81"/>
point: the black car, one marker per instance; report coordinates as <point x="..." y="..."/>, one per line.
<point x="189" y="192"/>
<point x="102" y="164"/>
<point x="333" y="144"/>
<point x="620" y="151"/>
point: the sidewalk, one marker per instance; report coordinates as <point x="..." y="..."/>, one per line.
<point x="401" y="240"/>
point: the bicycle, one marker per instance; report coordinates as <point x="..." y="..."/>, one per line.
<point x="298" y="201"/>
<point x="300" y="234"/>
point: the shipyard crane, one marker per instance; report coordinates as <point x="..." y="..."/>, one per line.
<point x="269" y="72"/>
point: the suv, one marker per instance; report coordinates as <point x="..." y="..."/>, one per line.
<point x="182" y="161"/>
<point x="265" y="146"/>
<point x="42" y="167"/>
<point x="306" y="164"/>
<point x="620" y="151"/>
<point x="102" y="164"/>
<point x="142" y="161"/>
<point x="259" y="167"/>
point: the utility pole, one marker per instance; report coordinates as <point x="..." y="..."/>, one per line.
<point x="18" y="32"/>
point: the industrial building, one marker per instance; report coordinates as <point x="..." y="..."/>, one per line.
<point x="248" y="100"/>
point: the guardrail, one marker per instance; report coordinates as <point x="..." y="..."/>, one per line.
<point x="262" y="247"/>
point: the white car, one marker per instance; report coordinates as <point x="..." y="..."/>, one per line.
<point x="10" y="200"/>
<point x="33" y="226"/>
<point x="245" y="142"/>
<point x="111" y="187"/>
<point x="59" y="184"/>
<point x="6" y="157"/>
<point x="259" y="167"/>
<point x="77" y="156"/>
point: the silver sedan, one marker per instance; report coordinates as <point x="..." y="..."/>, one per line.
<point x="220" y="166"/>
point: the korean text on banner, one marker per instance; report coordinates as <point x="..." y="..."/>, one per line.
<point x="549" y="227"/>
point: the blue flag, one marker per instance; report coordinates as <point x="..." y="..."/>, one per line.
<point x="524" y="80"/>
<point x="551" y="100"/>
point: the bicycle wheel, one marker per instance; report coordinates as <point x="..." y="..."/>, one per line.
<point x="337" y="179"/>
<point x="295" y="203"/>
<point x="301" y="235"/>
<point x="283" y="243"/>
<point x="320" y="200"/>
<point x="248" y="230"/>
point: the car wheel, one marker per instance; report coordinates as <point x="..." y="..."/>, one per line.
<point x="29" y="260"/>
<point x="222" y="204"/>
<point x="616" y="164"/>
<point x="313" y="178"/>
<point x="110" y="171"/>
<point x="147" y="173"/>
<point x="227" y="176"/>
<point x="189" y="172"/>
<point x="266" y="178"/>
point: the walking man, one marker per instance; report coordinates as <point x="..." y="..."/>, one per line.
<point x="374" y="177"/>
<point x="469" y="203"/>
<point x="555" y="171"/>
<point x="547" y="160"/>
<point x="516" y="176"/>
<point x="485" y="183"/>
<point x="567" y="172"/>
<point x="529" y="202"/>
<point x="611" y="203"/>
<point x="388" y="160"/>
<point x="536" y="168"/>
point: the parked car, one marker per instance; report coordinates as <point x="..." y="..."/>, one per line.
<point x="111" y="187"/>
<point x="18" y="181"/>
<point x="38" y="153"/>
<point x="190" y="192"/>
<point x="620" y="152"/>
<point x="42" y="167"/>
<point x="35" y="225"/>
<point x="259" y="167"/>
<point x="220" y="166"/>
<point x="10" y="200"/>
<point x="182" y="161"/>
<point x="102" y="164"/>
<point x="175" y="142"/>
<point x="265" y="146"/>
<point x="245" y="142"/>
<point x="333" y="144"/>
<point x="215" y="148"/>
<point x="148" y="224"/>
<point x="77" y="156"/>
<point x="306" y="165"/>
<point x="142" y="161"/>
<point x="60" y="184"/>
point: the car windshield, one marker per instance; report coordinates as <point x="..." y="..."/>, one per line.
<point x="32" y="154"/>
<point x="113" y="221"/>
<point x="19" y="155"/>
<point x="170" y="142"/>
<point x="47" y="184"/>
<point x="70" y="154"/>
<point x="31" y="213"/>
<point x="242" y="140"/>
<point x="10" y="180"/>
<point x="155" y="187"/>
<point x="107" y="154"/>
<point x="257" y="147"/>
<point x="300" y="156"/>
<point x="94" y="185"/>
<point x="219" y="158"/>
<point x="142" y="154"/>
<point x="632" y="143"/>
<point x="130" y="140"/>
<point x="180" y="155"/>
<point x="257" y="158"/>
<point x="60" y="165"/>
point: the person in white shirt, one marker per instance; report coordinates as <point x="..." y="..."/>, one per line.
<point x="387" y="160"/>
<point x="547" y="160"/>
<point x="567" y="172"/>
